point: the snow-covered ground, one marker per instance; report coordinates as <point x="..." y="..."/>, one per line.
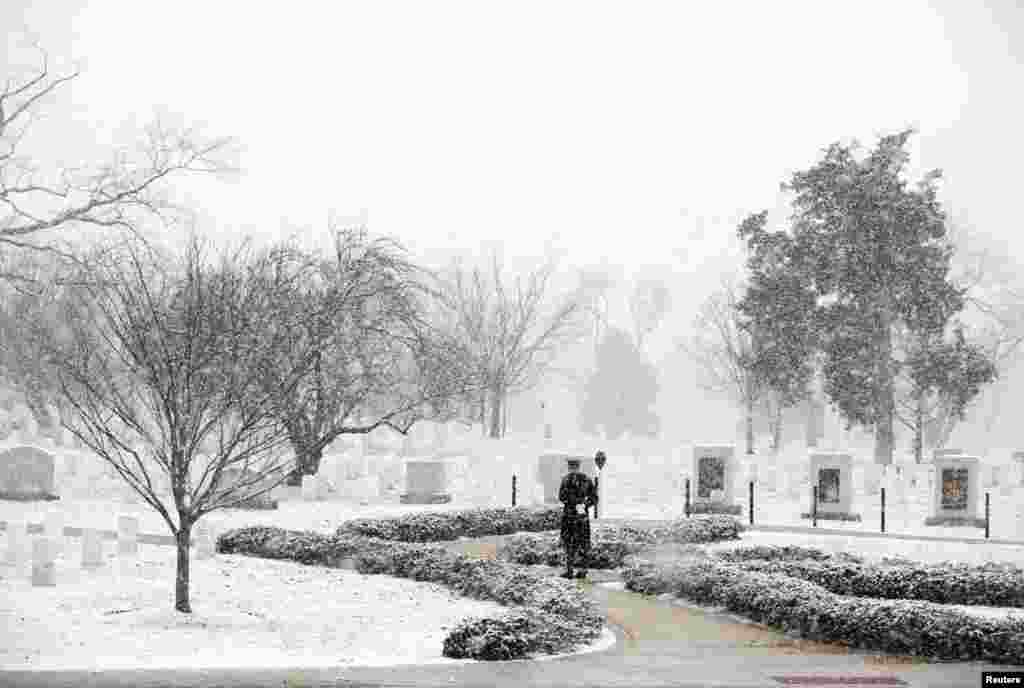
<point x="246" y="612"/>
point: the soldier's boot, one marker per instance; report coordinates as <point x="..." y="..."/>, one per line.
<point x="568" y="565"/>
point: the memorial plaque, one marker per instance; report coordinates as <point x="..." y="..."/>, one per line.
<point x="954" y="488"/>
<point x="828" y="485"/>
<point x="715" y="469"/>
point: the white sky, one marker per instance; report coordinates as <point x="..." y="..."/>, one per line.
<point x="612" y="131"/>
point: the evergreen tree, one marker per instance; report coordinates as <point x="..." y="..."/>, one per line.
<point x="620" y="393"/>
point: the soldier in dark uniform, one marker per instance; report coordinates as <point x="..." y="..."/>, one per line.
<point x="577" y="493"/>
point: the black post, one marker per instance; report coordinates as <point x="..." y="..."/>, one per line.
<point x="751" y="502"/>
<point x="513" y="489"/>
<point x="687" y="507"/>
<point x="987" y="514"/>
<point x="883" y="509"/>
<point x="814" y="506"/>
<point x="597" y="486"/>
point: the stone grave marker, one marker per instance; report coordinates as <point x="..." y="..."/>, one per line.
<point x="715" y="468"/>
<point x="44" y="562"/>
<point x="956" y="487"/>
<point x="53" y="527"/>
<point x="127" y="536"/>
<point x="92" y="548"/>
<point x="204" y="541"/>
<point x="1018" y="464"/>
<point x="832" y="472"/>
<point x="27" y="472"/>
<point x="425" y="483"/>
<point x="309" y="488"/>
<point x="18" y="544"/>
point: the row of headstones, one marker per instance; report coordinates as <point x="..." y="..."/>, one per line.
<point x="47" y="547"/>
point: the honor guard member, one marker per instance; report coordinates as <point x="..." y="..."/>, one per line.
<point x="578" y="494"/>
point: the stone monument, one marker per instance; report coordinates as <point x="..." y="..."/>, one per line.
<point x="832" y="472"/>
<point x="27" y="473"/>
<point x="1018" y="463"/>
<point x="957" y="486"/>
<point x="715" y="470"/>
<point x="425" y="483"/>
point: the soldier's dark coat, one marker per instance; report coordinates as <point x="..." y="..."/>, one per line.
<point x="576" y="488"/>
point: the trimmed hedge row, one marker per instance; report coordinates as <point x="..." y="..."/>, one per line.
<point x="942" y="584"/>
<point x="716" y="508"/>
<point x="611" y="546"/>
<point x="550" y="615"/>
<point x="450" y="525"/>
<point x="853" y="518"/>
<point x="892" y="626"/>
<point x="782" y="553"/>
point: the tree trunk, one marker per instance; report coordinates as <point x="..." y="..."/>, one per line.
<point x="181" y="580"/>
<point x="750" y="425"/>
<point x="504" y="416"/>
<point x="777" y="428"/>
<point x="919" y="430"/>
<point x="307" y="462"/>
<point x="496" y="412"/>
<point x="885" y="391"/>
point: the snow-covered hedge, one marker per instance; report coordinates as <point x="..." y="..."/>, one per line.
<point x="996" y="585"/>
<point x="548" y="616"/>
<point x="611" y="545"/>
<point x="439" y="526"/>
<point x="893" y="626"/>
<point x="716" y="508"/>
<point x="832" y="516"/>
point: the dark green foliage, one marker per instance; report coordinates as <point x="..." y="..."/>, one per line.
<point x="552" y="615"/>
<point x="451" y="525"/>
<point x="621" y="392"/>
<point x="892" y="626"/>
<point x="864" y="261"/>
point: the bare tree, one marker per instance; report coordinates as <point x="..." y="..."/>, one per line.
<point x="42" y="210"/>
<point x="379" y="358"/>
<point x="649" y="302"/>
<point x="512" y="339"/>
<point x="722" y="351"/>
<point x="160" y="371"/>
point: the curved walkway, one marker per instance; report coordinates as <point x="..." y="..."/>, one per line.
<point x="659" y="643"/>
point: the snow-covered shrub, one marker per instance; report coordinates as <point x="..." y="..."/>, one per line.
<point x="451" y="525"/>
<point x="853" y="518"/>
<point x="794" y="605"/>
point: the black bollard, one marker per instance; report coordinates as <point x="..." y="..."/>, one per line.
<point x="883" y="509"/>
<point x="987" y="515"/>
<point x="687" y="506"/>
<point x="814" y="506"/>
<point x="513" y="489"/>
<point x="751" y="502"/>
<point x="597" y="486"/>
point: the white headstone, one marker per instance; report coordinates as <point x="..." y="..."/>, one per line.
<point x="53" y="528"/>
<point x="205" y="541"/>
<point x="92" y="548"/>
<point x="44" y="562"/>
<point x="309" y="488"/>
<point x="127" y="536"/>
<point x="17" y="543"/>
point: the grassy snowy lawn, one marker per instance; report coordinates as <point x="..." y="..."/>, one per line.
<point x="247" y="612"/>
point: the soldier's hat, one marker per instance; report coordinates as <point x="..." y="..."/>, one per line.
<point x="573" y="461"/>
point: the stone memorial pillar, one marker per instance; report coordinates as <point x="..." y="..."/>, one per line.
<point x="832" y="473"/>
<point x="956" y="487"/>
<point x="44" y="562"/>
<point x="127" y="536"/>
<point x="53" y="528"/>
<point x="92" y="548"/>
<point x="425" y="483"/>
<point x="309" y="488"/>
<point x="204" y="541"/>
<point x="17" y="544"/>
<point x="1018" y="464"/>
<point x="715" y="468"/>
